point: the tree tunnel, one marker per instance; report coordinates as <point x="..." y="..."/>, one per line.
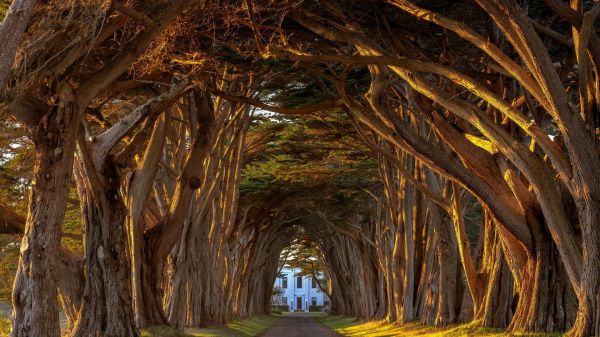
<point x="439" y="158"/>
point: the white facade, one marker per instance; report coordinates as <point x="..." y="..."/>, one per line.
<point x="299" y="292"/>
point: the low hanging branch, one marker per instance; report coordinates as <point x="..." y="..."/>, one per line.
<point x="558" y="158"/>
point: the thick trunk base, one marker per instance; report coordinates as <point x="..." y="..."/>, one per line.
<point x="546" y="301"/>
<point x="107" y="306"/>
<point x="35" y="295"/>
<point x="148" y="307"/>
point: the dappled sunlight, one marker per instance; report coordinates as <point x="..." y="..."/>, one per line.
<point x="252" y="326"/>
<point x="240" y="168"/>
<point x="348" y="326"/>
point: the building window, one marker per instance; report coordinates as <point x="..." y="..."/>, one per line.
<point x="284" y="301"/>
<point x="299" y="282"/>
<point x="314" y="282"/>
<point x="313" y="301"/>
<point x="284" y="282"/>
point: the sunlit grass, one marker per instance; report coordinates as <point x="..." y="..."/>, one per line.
<point x="4" y="327"/>
<point x="351" y="327"/>
<point x="248" y="327"/>
<point x="253" y="326"/>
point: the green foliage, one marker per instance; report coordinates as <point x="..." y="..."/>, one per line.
<point x="16" y="165"/>
<point x="304" y="153"/>
<point x="303" y="254"/>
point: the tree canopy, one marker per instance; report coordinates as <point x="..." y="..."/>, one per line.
<point x="437" y="159"/>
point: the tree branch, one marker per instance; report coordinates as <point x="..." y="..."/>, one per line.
<point x="11" y="29"/>
<point x="104" y="142"/>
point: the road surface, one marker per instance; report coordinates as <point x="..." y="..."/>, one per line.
<point x="298" y="326"/>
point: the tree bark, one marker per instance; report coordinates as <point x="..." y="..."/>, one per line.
<point x="35" y="299"/>
<point x="496" y="309"/>
<point x="146" y="308"/>
<point x="71" y="282"/>
<point x="11" y="30"/>
<point x="70" y="276"/>
<point x="447" y="258"/>
<point x="107" y="306"/>
<point x="588" y="313"/>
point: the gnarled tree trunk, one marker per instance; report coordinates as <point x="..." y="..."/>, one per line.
<point x="35" y="295"/>
<point x="107" y="306"/>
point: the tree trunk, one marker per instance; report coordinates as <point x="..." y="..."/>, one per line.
<point x="35" y="288"/>
<point x="147" y="308"/>
<point x="430" y="282"/>
<point x="150" y="310"/>
<point x="71" y="282"/>
<point x="409" y="244"/>
<point x="543" y="280"/>
<point x="107" y="306"/>
<point x="70" y="277"/>
<point x="11" y="29"/>
<point x="588" y="313"/>
<point x="496" y="306"/>
<point x="447" y="258"/>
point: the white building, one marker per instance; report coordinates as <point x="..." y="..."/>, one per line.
<point x="299" y="292"/>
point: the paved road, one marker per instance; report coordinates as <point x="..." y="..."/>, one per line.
<point x="298" y="326"/>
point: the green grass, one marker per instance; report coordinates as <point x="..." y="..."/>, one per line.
<point x="4" y="4"/>
<point x="309" y="314"/>
<point x="248" y="327"/>
<point x="351" y="327"/>
<point x="4" y="327"/>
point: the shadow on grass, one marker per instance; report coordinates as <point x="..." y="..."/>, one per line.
<point x="248" y="327"/>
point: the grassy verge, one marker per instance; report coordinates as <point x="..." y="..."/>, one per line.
<point x="248" y="327"/>
<point x="306" y="314"/>
<point x="4" y="327"/>
<point x="350" y="327"/>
